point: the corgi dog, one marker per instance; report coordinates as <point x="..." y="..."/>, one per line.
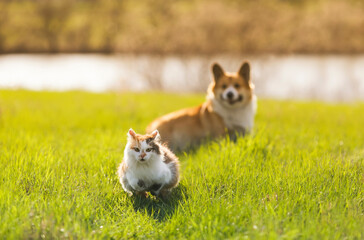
<point x="229" y="108"/>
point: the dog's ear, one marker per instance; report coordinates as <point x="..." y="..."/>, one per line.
<point x="244" y="72"/>
<point x="217" y="71"/>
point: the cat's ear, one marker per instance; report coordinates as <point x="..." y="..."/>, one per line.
<point x="156" y="136"/>
<point x="131" y="133"/>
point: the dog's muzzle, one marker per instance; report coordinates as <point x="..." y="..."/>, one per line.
<point x="230" y="98"/>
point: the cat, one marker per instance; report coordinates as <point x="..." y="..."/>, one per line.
<point x="148" y="166"/>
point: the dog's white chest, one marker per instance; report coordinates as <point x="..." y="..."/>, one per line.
<point x="238" y="118"/>
<point x="234" y="119"/>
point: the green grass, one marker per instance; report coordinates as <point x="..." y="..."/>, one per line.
<point x="300" y="175"/>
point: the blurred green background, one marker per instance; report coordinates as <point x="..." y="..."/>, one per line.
<point x="182" y="27"/>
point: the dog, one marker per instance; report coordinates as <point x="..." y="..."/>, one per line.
<point x="229" y="108"/>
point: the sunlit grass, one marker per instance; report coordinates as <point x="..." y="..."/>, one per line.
<point x="299" y="175"/>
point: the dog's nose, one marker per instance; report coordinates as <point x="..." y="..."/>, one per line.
<point x="230" y="95"/>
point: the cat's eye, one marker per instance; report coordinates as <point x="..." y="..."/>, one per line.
<point x="136" y="149"/>
<point x="149" y="149"/>
<point x="224" y="86"/>
<point x="237" y="85"/>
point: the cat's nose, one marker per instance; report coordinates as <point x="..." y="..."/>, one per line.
<point x="143" y="155"/>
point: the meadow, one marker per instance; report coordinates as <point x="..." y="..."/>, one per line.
<point x="299" y="175"/>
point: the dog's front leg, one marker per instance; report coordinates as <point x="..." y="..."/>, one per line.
<point x="236" y="132"/>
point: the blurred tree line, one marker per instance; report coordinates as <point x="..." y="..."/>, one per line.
<point x="182" y="26"/>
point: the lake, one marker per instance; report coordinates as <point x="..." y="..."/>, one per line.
<point x="334" y="78"/>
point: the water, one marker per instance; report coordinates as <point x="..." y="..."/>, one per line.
<point x="303" y="77"/>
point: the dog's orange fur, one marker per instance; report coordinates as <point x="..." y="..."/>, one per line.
<point x="188" y="127"/>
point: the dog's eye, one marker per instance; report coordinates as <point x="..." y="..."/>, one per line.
<point x="149" y="149"/>
<point x="224" y="86"/>
<point x="237" y="85"/>
<point x="137" y="149"/>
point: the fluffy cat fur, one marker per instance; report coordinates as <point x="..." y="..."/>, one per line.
<point x="148" y="166"/>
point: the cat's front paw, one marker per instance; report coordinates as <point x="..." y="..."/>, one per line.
<point x="141" y="183"/>
<point x="142" y="194"/>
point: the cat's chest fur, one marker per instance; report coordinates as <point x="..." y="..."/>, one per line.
<point x="144" y="175"/>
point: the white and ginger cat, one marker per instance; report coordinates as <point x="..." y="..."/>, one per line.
<point x="148" y="166"/>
